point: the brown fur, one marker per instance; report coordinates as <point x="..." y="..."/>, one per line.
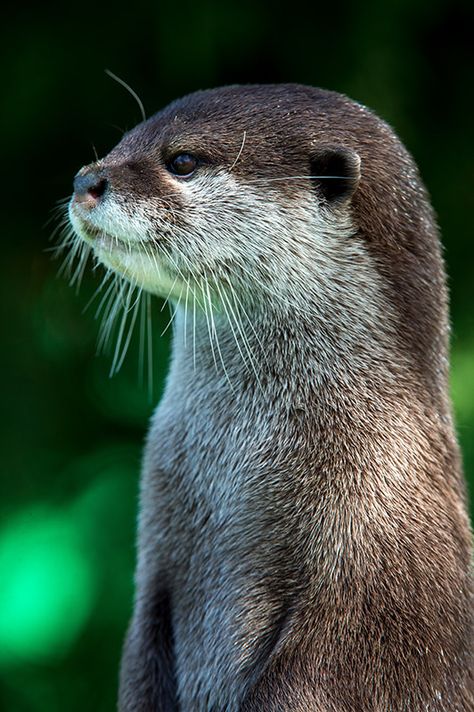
<point x="304" y="542"/>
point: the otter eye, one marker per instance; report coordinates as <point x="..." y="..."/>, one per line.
<point x="183" y="164"/>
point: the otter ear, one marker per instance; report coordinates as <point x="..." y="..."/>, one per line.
<point x="338" y="172"/>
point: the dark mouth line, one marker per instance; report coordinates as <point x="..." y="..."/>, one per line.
<point x="96" y="235"/>
<point x="100" y="239"/>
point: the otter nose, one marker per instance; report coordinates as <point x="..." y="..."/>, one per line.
<point x="91" y="185"/>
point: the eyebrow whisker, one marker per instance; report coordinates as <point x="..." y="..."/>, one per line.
<point x="130" y="90"/>
<point x="240" y="151"/>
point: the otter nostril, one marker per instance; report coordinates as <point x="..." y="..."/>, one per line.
<point x="90" y="184"/>
<point x="98" y="190"/>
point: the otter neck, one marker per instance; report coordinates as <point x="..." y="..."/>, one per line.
<point x="264" y="351"/>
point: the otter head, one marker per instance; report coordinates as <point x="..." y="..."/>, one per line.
<point x="289" y="200"/>
<point x="239" y="186"/>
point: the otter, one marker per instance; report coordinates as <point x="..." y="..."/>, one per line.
<point x="303" y="539"/>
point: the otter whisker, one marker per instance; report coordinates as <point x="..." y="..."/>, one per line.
<point x="237" y="299"/>
<point x="194" y="335"/>
<point x="83" y="255"/>
<point x="69" y="241"/>
<point x="165" y="302"/>
<point x="66" y="265"/>
<point x="240" y="151"/>
<point x="121" y="330"/>
<point x="61" y="203"/>
<point x="211" y="340"/>
<point x="97" y="291"/>
<point x="229" y="321"/>
<point x="179" y="271"/>
<point x="60" y="209"/>
<point x="62" y="223"/>
<point x="169" y="258"/>
<point x="130" y="90"/>
<point x="57" y="249"/>
<point x="125" y="296"/>
<point x="79" y="274"/>
<point x="111" y="312"/>
<point x="189" y="267"/>
<point x="245" y="343"/>
<point x="216" y="336"/>
<point x="173" y="312"/>
<point x="135" y="308"/>
<point x="150" y="345"/>
<point x="194" y="295"/>
<point x="151" y="252"/>
<point x="284" y="178"/>
<point x="185" y="313"/>
<point x="141" y="343"/>
<point x="111" y="288"/>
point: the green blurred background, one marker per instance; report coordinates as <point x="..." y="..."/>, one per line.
<point x="72" y="437"/>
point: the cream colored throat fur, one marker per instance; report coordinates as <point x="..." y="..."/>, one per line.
<point x="228" y="256"/>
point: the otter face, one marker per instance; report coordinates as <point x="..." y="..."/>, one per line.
<point x="228" y="186"/>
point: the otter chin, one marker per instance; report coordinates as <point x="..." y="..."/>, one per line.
<point x="303" y="542"/>
<point x="116" y="248"/>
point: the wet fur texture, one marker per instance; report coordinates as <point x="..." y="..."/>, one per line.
<point x="303" y="538"/>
